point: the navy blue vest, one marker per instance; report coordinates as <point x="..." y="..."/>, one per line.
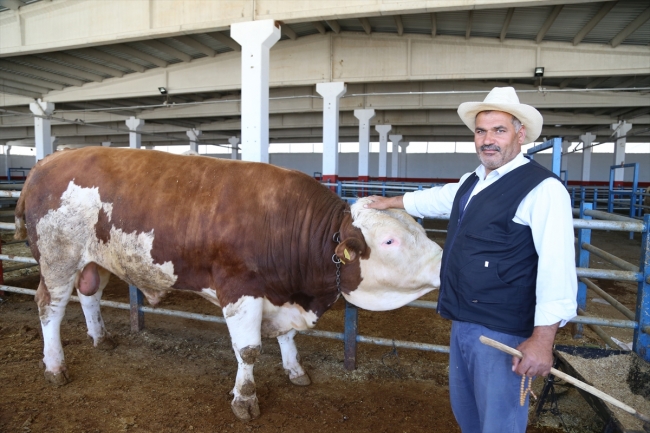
<point x="489" y="264"/>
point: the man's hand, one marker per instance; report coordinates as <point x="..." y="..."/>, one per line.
<point x="537" y="351"/>
<point x="379" y="202"/>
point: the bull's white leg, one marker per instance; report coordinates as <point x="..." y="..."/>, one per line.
<point x="291" y="359"/>
<point x="51" y="309"/>
<point x="90" y="305"/>
<point x="244" y="320"/>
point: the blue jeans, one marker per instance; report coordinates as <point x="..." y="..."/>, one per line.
<point x="484" y="390"/>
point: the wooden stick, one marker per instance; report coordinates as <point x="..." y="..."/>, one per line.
<point x="572" y="380"/>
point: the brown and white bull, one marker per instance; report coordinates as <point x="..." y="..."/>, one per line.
<point x="257" y="240"/>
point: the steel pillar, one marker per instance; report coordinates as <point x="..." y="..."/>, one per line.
<point x="582" y="261"/>
<point x="350" y="336"/>
<point x="642" y="339"/>
<point x="137" y="315"/>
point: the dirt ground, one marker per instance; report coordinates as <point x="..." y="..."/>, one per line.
<point x="176" y="375"/>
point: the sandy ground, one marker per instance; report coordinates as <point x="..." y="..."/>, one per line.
<point x="176" y="375"/>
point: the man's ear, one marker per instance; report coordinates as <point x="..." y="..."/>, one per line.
<point x="521" y="135"/>
<point x="350" y="250"/>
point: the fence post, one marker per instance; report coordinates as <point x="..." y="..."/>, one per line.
<point x="584" y="236"/>
<point x="573" y="197"/>
<point x="137" y="315"/>
<point x="350" y="336"/>
<point x="641" y="338"/>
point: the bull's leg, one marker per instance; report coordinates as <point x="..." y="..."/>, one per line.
<point x="51" y="309"/>
<point x="291" y="359"/>
<point x="90" y="305"/>
<point x="244" y="320"/>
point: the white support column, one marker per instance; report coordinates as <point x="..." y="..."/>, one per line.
<point x="620" y="130"/>
<point x="42" y="128"/>
<point x="364" y="116"/>
<point x="234" y="141"/>
<point x="394" y="161"/>
<point x="587" y="139"/>
<point x="331" y="93"/>
<point x="106" y="143"/>
<point x="134" y="125"/>
<point x="256" y="39"/>
<point x="402" y="159"/>
<point x="383" y="149"/>
<point x="194" y="135"/>
<point x="54" y="142"/>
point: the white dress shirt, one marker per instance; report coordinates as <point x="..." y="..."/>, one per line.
<point x="547" y="211"/>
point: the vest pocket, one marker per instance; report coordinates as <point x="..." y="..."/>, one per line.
<point x="486" y="299"/>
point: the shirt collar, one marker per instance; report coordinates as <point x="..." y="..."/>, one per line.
<point x="518" y="161"/>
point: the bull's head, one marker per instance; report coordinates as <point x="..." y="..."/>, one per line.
<point x="398" y="262"/>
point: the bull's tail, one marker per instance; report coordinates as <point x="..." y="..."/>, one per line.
<point x="21" y="229"/>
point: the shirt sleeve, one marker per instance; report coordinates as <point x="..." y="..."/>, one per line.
<point x="432" y="202"/>
<point x="547" y="210"/>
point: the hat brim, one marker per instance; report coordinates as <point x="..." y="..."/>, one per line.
<point x="527" y="115"/>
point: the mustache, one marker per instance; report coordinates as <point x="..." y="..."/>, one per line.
<point x="492" y="147"/>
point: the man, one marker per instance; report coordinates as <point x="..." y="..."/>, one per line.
<point x="508" y="268"/>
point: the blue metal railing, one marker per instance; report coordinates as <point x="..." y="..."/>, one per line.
<point x="640" y="324"/>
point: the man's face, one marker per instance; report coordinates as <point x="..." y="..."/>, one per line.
<point x="495" y="139"/>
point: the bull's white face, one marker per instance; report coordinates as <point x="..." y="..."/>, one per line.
<point x="403" y="264"/>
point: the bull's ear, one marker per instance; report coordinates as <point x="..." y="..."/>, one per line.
<point x="350" y="250"/>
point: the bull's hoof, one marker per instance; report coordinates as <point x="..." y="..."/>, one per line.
<point x="245" y="410"/>
<point x="57" y="379"/>
<point x="104" y="343"/>
<point x="303" y="380"/>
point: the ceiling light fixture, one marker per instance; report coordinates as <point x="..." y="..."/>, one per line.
<point x="163" y="91"/>
<point x="539" y="71"/>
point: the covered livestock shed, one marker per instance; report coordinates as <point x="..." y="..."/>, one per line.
<point x="361" y="95"/>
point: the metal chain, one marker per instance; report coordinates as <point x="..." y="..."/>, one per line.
<point x="336" y="260"/>
<point x="337" y="238"/>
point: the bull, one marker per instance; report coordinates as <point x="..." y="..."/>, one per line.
<point x="272" y="247"/>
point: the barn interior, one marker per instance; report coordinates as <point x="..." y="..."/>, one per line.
<point x="169" y="75"/>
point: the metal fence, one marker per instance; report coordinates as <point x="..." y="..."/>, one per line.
<point x="589" y="219"/>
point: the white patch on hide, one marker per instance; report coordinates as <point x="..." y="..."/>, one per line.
<point x="67" y="241"/>
<point x="274" y="320"/>
<point x="279" y="320"/>
<point x="244" y="319"/>
<point x="108" y="208"/>
<point x="210" y="295"/>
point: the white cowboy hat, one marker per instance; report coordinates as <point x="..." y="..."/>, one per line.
<point x="504" y="99"/>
